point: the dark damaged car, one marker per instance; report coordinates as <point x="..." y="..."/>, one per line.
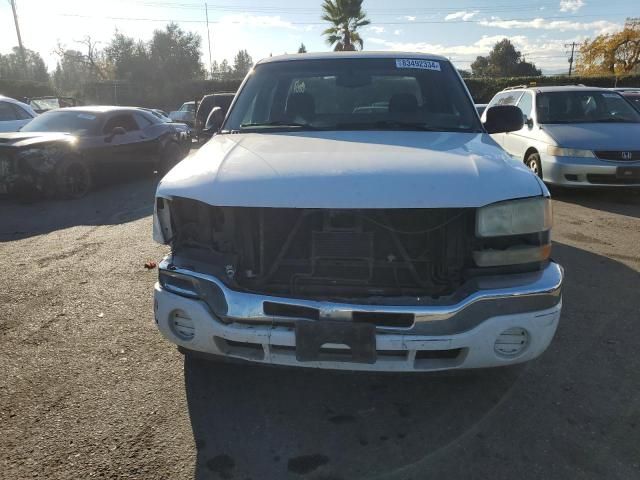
<point x="63" y="152"/>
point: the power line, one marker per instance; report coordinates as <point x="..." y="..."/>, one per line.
<point x="405" y="22"/>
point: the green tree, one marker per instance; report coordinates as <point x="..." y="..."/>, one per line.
<point x="504" y="61"/>
<point x="302" y="48"/>
<point x="224" y="71"/>
<point x="33" y="68"/>
<point x="175" y="55"/>
<point x="76" y="68"/>
<point x="242" y="63"/>
<point x="129" y="59"/>
<point x="345" y="17"/>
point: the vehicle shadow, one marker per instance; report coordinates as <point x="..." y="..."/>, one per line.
<point x="113" y="201"/>
<point x="274" y="423"/>
<point x="622" y="201"/>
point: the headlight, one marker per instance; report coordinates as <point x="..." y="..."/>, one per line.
<point x="162" y="231"/>
<point x="514" y="217"/>
<point x="569" y="152"/>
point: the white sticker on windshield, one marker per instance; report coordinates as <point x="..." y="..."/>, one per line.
<point x="86" y="116"/>
<point x="417" y="63"/>
<point x="610" y="95"/>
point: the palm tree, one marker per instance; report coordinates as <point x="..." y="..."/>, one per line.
<point x="345" y="16"/>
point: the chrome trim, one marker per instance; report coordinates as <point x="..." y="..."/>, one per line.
<point x="474" y="302"/>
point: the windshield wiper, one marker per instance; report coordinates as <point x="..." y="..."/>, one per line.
<point x="279" y="123"/>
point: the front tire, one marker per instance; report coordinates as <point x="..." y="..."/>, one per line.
<point x="534" y="164"/>
<point x="73" y="178"/>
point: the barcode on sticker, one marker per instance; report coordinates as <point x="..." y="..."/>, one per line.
<point x="416" y="63"/>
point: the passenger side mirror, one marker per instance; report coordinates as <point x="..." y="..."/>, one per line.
<point x="503" y="118"/>
<point x="114" y="132"/>
<point x="214" y="120"/>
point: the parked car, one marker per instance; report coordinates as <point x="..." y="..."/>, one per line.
<point x="481" y="107"/>
<point x="14" y="114"/>
<point x="44" y="104"/>
<point x="64" y="150"/>
<point x="574" y="135"/>
<point x="308" y="233"/>
<point x="185" y="114"/>
<point x="631" y="94"/>
<point x="184" y="132"/>
<point x="207" y="104"/>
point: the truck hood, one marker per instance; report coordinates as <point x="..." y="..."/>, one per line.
<point x="371" y="169"/>
<point x="28" y="139"/>
<point x="596" y="136"/>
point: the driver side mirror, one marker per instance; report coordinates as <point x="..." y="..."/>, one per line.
<point x="114" y="132"/>
<point x="503" y="118"/>
<point x="214" y="120"/>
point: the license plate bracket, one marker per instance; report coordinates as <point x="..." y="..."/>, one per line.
<point x="359" y="337"/>
<point x="628" y="172"/>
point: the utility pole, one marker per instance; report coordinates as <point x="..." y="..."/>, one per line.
<point x="15" y="19"/>
<point x="573" y="45"/>
<point x="206" y="12"/>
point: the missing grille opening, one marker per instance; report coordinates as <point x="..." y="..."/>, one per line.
<point x="402" y="320"/>
<point x="290" y="311"/>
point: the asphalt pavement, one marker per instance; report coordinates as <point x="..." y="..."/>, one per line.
<point x="91" y="390"/>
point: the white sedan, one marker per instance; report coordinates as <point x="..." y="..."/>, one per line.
<point x="14" y="114"/>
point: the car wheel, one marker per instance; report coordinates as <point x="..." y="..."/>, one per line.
<point x="534" y="164"/>
<point x="73" y="178"/>
<point x="171" y="155"/>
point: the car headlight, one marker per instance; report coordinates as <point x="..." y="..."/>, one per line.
<point x="569" y="152"/>
<point x="514" y="232"/>
<point x="514" y="217"/>
<point x="162" y="231"/>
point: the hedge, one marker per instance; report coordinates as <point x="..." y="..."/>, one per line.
<point x="171" y="96"/>
<point x="21" y="89"/>
<point x="166" y="96"/>
<point x="483" y="89"/>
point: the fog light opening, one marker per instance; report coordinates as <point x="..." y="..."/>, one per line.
<point x="512" y="342"/>
<point x="181" y="325"/>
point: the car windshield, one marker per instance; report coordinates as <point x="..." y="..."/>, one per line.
<point x="188" y="107"/>
<point x="79" y="123"/>
<point x="354" y="94"/>
<point x="584" y="107"/>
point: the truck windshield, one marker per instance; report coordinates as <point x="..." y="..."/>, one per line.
<point x="584" y="107"/>
<point x="353" y="94"/>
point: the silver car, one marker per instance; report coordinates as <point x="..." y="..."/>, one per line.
<point x="574" y="135"/>
<point x="14" y="114"/>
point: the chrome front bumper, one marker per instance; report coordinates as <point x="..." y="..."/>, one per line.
<point x="584" y="172"/>
<point x="468" y="323"/>
<point x="474" y="302"/>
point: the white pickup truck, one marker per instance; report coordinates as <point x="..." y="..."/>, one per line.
<point x="354" y="213"/>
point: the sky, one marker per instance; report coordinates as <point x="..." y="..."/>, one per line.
<point x="458" y="29"/>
